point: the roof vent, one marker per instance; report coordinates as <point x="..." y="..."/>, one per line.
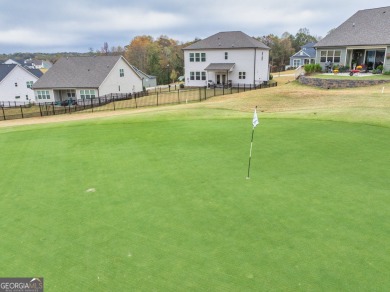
<point x="353" y="24"/>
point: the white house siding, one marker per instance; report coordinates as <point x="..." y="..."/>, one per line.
<point x="10" y="92"/>
<point x="244" y="60"/>
<point x="113" y="83"/>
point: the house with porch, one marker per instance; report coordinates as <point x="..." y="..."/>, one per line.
<point x="84" y="78"/>
<point x="306" y="55"/>
<point x="230" y="57"/>
<point x="363" y="39"/>
<point x="16" y="82"/>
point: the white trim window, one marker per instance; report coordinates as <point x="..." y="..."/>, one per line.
<point x="87" y="93"/>
<point x="29" y="84"/>
<point x="43" y="94"/>
<point x="198" y="75"/>
<point x="296" y="62"/>
<point x="121" y="72"/>
<point x="333" y="56"/>
<point x="226" y="55"/>
<point x="241" y="75"/>
<point x="197" y="57"/>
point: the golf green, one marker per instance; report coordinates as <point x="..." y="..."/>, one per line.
<point x="163" y="204"/>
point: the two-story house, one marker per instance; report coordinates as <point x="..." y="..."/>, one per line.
<point x="230" y="57"/>
<point x="16" y="83"/>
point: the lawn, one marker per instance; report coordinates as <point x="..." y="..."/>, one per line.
<point x="159" y="200"/>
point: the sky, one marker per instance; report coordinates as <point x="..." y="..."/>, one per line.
<point x="52" y="26"/>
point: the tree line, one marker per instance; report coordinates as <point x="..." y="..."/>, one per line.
<point x="163" y="57"/>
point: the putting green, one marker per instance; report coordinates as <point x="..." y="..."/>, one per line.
<point x="141" y="203"/>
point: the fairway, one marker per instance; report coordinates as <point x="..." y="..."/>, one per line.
<point x="161" y="203"/>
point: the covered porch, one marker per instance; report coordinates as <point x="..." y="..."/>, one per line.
<point x="368" y="58"/>
<point x="218" y="73"/>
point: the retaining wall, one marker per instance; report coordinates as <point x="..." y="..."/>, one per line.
<point x="335" y="83"/>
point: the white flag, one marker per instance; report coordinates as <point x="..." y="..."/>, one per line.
<point x="255" y="121"/>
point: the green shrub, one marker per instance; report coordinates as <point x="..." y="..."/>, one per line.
<point x="386" y="73"/>
<point x="271" y="76"/>
<point x="312" y="68"/>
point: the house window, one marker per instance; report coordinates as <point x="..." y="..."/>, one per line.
<point x="192" y="57"/>
<point x="71" y="93"/>
<point x="43" y="94"/>
<point x="333" y="56"/>
<point x="17" y="97"/>
<point x="241" y="75"/>
<point x="198" y="75"/>
<point x="87" y="93"/>
<point x="16" y="84"/>
<point x="203" y="57"/>
<point x="197" y="57"/>
<point x="121" y="72"/>
<point x="29" y="84"/>
<point x="226" y="55"/>
<point x="296" y="62"/>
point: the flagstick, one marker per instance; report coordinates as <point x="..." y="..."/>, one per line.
<point x="250" y="153"/>
<point x="255" y="122"/>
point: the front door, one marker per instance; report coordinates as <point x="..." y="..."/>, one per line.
<point x="221" y="79"/>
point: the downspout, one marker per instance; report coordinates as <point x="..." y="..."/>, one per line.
<point x="254" y="69"/>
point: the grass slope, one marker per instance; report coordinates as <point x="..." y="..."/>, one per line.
<point x="159" y="201"/>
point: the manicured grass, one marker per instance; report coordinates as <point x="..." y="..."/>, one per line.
<point x="159" y="202"/>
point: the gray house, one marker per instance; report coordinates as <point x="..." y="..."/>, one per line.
<point x="307" y="55"/>
<point x="363" y="39"/>
<point x="74" y="78"/>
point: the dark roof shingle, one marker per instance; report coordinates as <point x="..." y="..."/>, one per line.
<point x="227" y="40"/>
<point x="5" y="69"/>
<point x="77" y="72"/>
<point x="365" y="27"/>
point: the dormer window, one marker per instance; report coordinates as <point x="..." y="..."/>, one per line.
<point x="121" y="72"/>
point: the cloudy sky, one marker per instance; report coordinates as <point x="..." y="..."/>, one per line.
<point x="77" y="26"/>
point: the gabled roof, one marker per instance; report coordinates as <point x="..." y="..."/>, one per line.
<point x="36" y="72"/>
<point x="5" y="69"/>
<point x="365" y="28"/>
<point x="307" y="50"/>
<point x="78" y="72"/>
<point x="227" y="40"/>
<point x="141" y="74"/>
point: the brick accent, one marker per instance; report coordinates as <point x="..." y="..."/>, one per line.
<point x="336" y="83"/>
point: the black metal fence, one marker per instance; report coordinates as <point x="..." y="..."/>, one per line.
<point x="155" y="97"/>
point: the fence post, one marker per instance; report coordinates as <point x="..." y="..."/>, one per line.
<point x="157" y="97"/>
<point x="21" y="110"/>
<point x="205" y="92"/>
<point x="135" y="99"/>
<point x="113" y="102"/>
<point x="54" y="112"/>
<point x="223" y="89"/>
<point x="40" y="110"/>
<point x="92" y="104"/>
<point x="3" y="113"/>
<point x="200" y="94"/>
